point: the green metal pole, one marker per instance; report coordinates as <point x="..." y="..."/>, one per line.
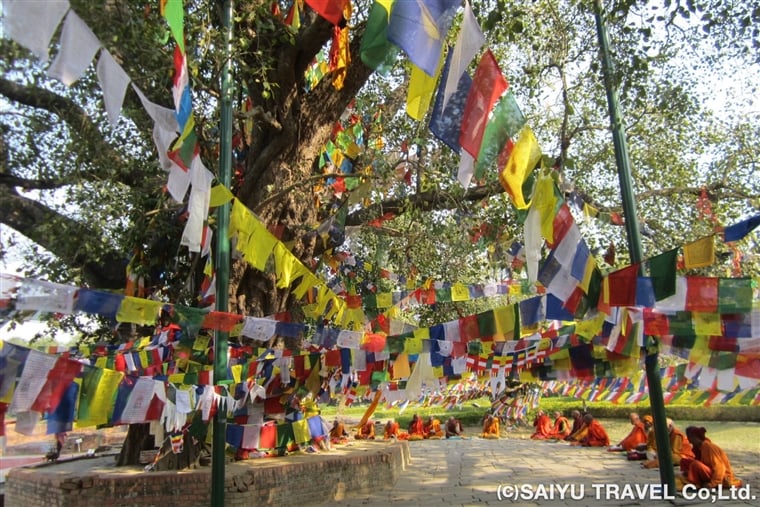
<point x="656" y="401"/>
<point x="222" y="260"/>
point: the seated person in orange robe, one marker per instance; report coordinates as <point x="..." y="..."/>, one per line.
<point x="712" y="467"/>
<point x="416" y="428"/>
<point x="636" y="437"/>
<point x="366" y="431"/>
<point x="680" y="447"/>
<point x="648" y="449"/>
<point x="490" y="426"/>
<point x="433" y="428"/>
<point x="561" y="427"/>
<point x="392" y="430"/>
<point x="454" y="428"/>
<point x="338" y="433"/>
<point x="543" y="426"/>
<point x="577" y="425"/>
<point x="594" y="434"/>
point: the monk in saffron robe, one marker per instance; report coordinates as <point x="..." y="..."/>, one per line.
<point x="712" y="467"/>
<point x="392" y="430"/>
<point x="680" y="447"/>
<point x="433" y="429"/>
<point x="454" y="428"/>
<point x="416" y="428"/>
<point x="338" y="434"/>
<point x="594" y="434"/>
<point x="490" y="426"/>
<point x="561" y="427"/>
<point x="543" y="426"/>
<point x="636" y="437"/>
<point x="577" y="424"/>
<point x="366" y="431"/>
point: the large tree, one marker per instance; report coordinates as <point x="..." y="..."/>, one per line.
<point x="90" y="195"/>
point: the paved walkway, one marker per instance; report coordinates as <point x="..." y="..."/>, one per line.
<point x="479" y="472"/>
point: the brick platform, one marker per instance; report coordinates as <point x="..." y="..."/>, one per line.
<point x="360" y="469"/>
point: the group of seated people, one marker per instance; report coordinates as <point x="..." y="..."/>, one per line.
<point x="419" y="429"/>
<point x="432" y="429"/>
<point x="701" y="462"/>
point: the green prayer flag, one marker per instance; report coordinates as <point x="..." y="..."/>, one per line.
<point x="734" y="295"/>
<point x="376" y="50"/>
<point x="662" y="270"/>
<point x="505" y="123"/>
<point x="174" y="14"/>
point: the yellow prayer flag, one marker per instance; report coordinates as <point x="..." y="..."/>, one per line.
<point x="420" y="92"/>
<point x="285" y="265"/>
<point x="526" y="154"/>
<point x="138" y="310"/>
<point x="591" y="327"/>
<point x="707" y="323"/>
<point x="589" y="210"/>
<point x="201" y="342"/>
<point x="504" y="321"/>
<point x="700" y="253"/>
<point x="103" y="398"/>
<point x="700" y="353"/>
<point x="460" y="292"/>
<point x="237" y="372"/>
<point x="384" y="299"/>
<point x="177" y="378"/>
<point x="545" y="202"/>
<point x="401" y="367"/>
<point x="219" y="195"/>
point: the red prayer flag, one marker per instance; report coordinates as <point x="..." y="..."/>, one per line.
<point x="487" y="86"/>
<point x="622" y="285"/>
<point x="331" y="10"/>
<point x="701" y="294"/>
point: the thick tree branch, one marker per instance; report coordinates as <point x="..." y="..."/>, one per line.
<point x="102" y="156"/>
<point x="106" y="270"/>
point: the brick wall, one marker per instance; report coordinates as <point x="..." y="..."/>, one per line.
<point x="293" y="480"/>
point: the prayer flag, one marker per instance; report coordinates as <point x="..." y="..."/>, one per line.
<point x="375" y="47"/>
<point x="526" y="154"/>
<point x="419" y="27"/>
<point x="113" y="81"/>
<point x="78" y="48"/>
<point x="700" y="253"/>
<point x="419" y="93"/>
<point x="445" y="122"/>
<point x="331" y="10"/>
<point x="505" y="123"/>
<point x="32" y="24"/>
<point x="469" y="41"/>
<point x="662" y="270"/>
<point x="487" y="86"/>
<point x="622" y="286"/>
<point x="701" y="294"/>
<point x="739" y="230"/>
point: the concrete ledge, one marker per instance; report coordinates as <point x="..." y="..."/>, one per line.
<point x="360" y="469"/>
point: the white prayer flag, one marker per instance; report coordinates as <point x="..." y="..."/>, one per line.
<point x="163" y="116"/>
<point x="43" y="296"/>
<point x="466" y="169"/>
<point x="197" y="205"/>
<point x="469" y="41"/>
<point x="78" y="48"/>
<point x="113" y="81"/>
<point x="350" y="339"/>
<point x="32" y="24"/>
<point x="258" y="329"/>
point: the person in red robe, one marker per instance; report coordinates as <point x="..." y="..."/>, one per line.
<point x="577" y="425"/>
<point x="433" y="428"/>
<point x="392" y="430"/>
<point x="416" y="428"/>
<point x="543" y="426"/>
<point x="636" y="437"/>
<point x="561" y="428"/>
<point x="366" y="431"/>
<point x="711" y="468"/>
<point x="594" y="434"/>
